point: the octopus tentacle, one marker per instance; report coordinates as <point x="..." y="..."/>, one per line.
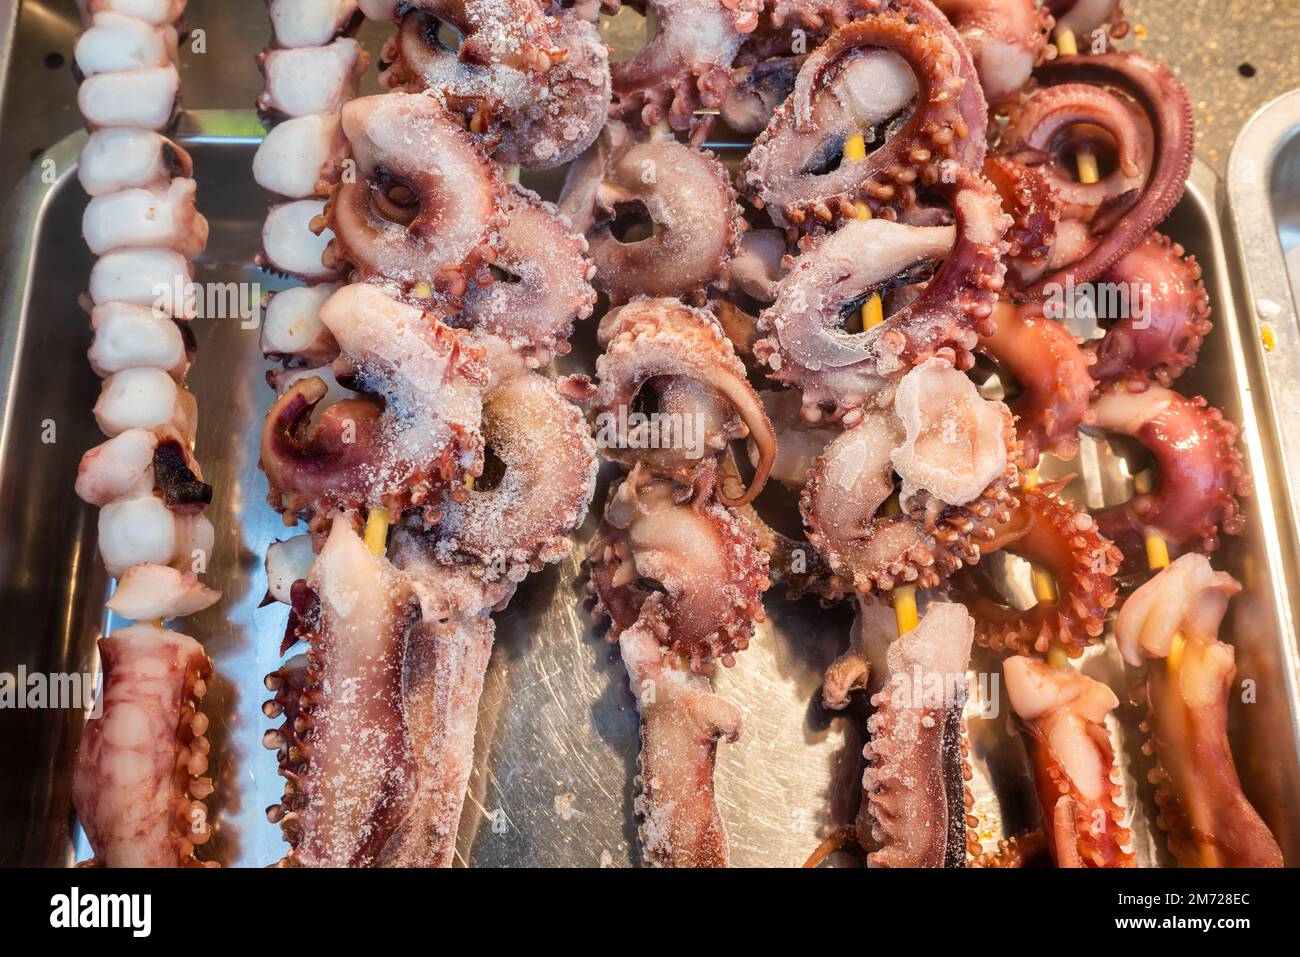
<point x="956" y="456"/>
<point x="1200" y="473"/>
<point x="685" y="68"/>
<point x="1140" y="103"/>
<point x="549" y="283"/>
<point x="689" y="571"/>
<point x="1034" y="208"/>
<point x="1171" y="623"/>
<point x="550" y="464"/>
<point x="1053" y="375"/>
<point x="1063" y="713"/>
<point x="682" y="721"/>
<point x="1161" y="339"/>
<point x="1047" y="531"/>
<point x="1007" y="39"/>
<point x="916" y="69"/>
<point x="447" y="655"/>
<point x="140" y="776"/>
<point x="686" y="195"/>
<point x="805" y="345"/>
<point x="662" y="338"/>
<point x="346" y="758"/>
<point x="403" y="220"/>
<point x="916" y="736"/>
<point x="400" y="451"/>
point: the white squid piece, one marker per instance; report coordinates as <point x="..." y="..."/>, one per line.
<point x="129" y="336"/>
<point x="306" y="80"/>
<point x="144" y="398"/>
<point x="144" y="98"/>
<point x="146" y="217"/>
<point x="298" y="154"/>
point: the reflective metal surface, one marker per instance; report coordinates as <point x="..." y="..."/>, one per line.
<point x="558" y="732"/>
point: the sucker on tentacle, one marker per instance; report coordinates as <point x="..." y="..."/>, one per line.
<point x="1200" y="475"/>
<point x="1067" y="544"/>
<point x="1171" y="624"/>
<point x="1063" y="715"/>
<point x="140" y="777"/>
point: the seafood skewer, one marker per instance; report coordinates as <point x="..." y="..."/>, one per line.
<point x="141" y="770"/>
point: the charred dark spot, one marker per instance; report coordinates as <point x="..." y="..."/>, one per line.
<point x="1247" y="70"/>
<point x="173" y="477"/>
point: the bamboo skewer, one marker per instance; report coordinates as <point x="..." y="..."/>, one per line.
<point x="873" y="314"/>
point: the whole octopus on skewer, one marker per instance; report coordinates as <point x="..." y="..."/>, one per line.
<point x="673" y="566"/>
<point x="409" y="395"/>
<point x="141" y="775"/>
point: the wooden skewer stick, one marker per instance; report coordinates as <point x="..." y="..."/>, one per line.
<point x="855" y="151"/>
<point x="376" y="534"/>
<point x="1066" y="45"/>
<point x="873" y="314"/>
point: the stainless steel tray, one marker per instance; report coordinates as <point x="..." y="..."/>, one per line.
<point x="557" y="737"/>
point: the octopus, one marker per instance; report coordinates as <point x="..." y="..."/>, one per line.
<point x="403" y="219"/>
<point x="1171" y="625"/>
<point x="1063" y="714"/>
<point x="838" y="371"/>
<point x="916" y="804"/>
<point x="926" y="115"/>
<point x="689" y="571"/>
<point x="1053" y="375"/>
<point x="1160" y="338"/>
<point x="1111" y="103"/>
<point x="124" y="158"/>
<point x="955" y="457"/>
<point x="683" y="194"/>
<point x="682" y="354"/>
<point x="683" y="73"/>
<point x="1065" y="543"/>
<point x="536" y="98"/>
<point x="543" y="282"/>
<point x="300" y="81"/>
<point x="413" y="433"/>
<point x="141" y="770"/>
<point x="1006" y="38"/>
<point x="1200" y="477"/>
